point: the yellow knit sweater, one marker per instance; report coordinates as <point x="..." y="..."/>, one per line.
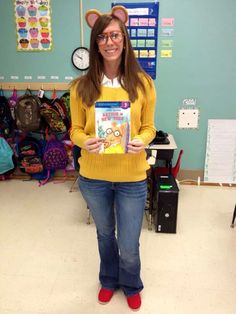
<point x="114" y="167"/>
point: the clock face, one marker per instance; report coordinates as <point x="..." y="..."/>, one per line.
<point x="80" y="58"/>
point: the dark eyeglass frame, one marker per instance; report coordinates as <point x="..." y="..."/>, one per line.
<point x="102" y="39"/>
<point x="115" y="133"/>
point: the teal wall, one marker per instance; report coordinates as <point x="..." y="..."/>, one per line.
<point x="203" y="64"/>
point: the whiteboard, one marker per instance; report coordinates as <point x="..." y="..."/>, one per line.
<point x="220" y="159"/>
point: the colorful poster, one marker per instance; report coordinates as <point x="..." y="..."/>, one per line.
<point x="33" y="25"/>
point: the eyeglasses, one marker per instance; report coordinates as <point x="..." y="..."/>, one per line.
<point x="116" y="133"/>
<point x="116" y="38"/>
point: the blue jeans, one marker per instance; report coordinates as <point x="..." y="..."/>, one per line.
<point x="121" y="205"/>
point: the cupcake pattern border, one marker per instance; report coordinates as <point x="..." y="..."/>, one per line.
<point x="33" y="25"/>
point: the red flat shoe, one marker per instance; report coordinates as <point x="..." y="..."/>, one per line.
<point x="134" y="302"/>
<point x="105" y="295"/>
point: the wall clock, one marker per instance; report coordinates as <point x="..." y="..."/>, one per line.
<point x="80" y="58"/>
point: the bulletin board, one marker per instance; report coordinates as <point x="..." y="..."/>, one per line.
<point x="143" y="31"/>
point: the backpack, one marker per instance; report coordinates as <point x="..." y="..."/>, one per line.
<point x="6" y="121"/>
<point x="58" y="104"/>
<point x="12" y="100"/>
<point x="52" y="116"/>
<point x="30" y="153"/>
<point x="28" y="112"/>
<point x="65" y="99"/>
<point x="6" y="157"/>
<point x="54" y="157"/>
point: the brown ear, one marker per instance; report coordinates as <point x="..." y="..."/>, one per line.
<point x="91" y="17"/>
<point x="120" y="12"/>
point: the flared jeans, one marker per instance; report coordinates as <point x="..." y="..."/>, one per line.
<point x="117" y="209"/>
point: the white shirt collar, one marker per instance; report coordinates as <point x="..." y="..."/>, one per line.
<point x="110" y="83"/>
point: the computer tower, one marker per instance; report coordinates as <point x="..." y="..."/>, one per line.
<point x="166" y="194"/>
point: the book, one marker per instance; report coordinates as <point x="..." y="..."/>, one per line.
<point x="113" y="126"/>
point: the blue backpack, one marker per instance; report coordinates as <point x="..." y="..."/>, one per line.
<point x="6" y="157"/>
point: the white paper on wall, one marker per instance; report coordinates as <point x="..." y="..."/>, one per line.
<point x="220" y="160"/>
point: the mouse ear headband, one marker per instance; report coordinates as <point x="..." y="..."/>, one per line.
<point x="118" y="11"/>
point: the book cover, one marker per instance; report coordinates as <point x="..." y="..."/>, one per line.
<point x="113" y="126"/>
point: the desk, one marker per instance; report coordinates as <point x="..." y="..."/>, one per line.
<point x="162" y="151"/>
<point x="158" y="152"/>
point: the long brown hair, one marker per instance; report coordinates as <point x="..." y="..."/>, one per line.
<point x="129" y="73"/>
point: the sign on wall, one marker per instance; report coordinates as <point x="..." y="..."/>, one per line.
<point x="33" y="25"/>
<point x="143" y="31"/>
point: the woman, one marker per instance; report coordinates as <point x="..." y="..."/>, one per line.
<point x="114" y="185"/>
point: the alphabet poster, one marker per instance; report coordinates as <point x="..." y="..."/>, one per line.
<point x="33" y="25"/>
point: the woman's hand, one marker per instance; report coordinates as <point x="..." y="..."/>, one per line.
<point x="135" y="146"/>
<point x="92" y="145"/>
